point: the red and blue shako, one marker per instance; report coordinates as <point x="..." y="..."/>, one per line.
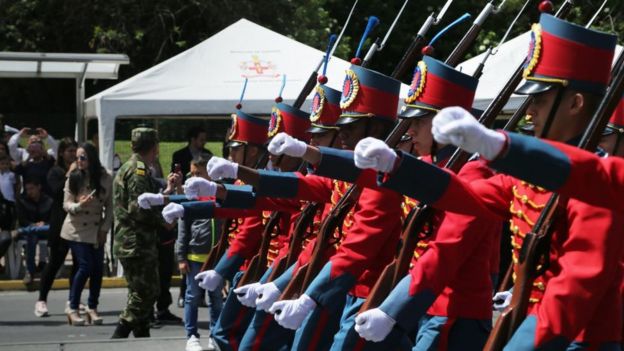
<point x="325" y="109"/>
<point x="292" y="121"/>
<point x="247" y="129"/>
<point x="566" y="54"/>
<point x="436" y="85"/>
<point x="366" y="93"/>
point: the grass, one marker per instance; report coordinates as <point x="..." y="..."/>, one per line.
<point x="122" y="147"/>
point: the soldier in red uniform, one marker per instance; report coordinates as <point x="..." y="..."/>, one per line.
<point x="576" y="303"/>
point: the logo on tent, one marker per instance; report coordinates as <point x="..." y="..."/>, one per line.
<point x="257" y="68"/>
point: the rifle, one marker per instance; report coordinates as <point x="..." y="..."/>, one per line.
<point x="258" y="263"/>
<point x="422" y="214"/>
<point x="303" y="229"/>
<point x="219" y="248"/>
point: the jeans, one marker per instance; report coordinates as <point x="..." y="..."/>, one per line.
<point x="193" y="296"/>
<point x="32" y="234"/>
<point x="58" y="252"/>
<point x="90" y="266"/>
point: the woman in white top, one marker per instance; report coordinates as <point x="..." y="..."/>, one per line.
<point x="88" y="202"/>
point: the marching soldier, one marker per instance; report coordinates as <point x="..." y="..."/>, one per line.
<point x="136" y="238"/>
<point x="576" y="303"/>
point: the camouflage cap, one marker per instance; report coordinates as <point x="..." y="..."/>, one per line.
<point x="143" y="134"/>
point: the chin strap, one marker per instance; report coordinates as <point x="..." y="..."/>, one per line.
<point x="553" y="112"/>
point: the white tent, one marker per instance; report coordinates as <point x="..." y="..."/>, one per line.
<point x="499" y="68"/>
<point x="206" y="80"/>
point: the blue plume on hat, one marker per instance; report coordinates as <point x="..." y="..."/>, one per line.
<point x="373" y="21"/>
<point x="464" y="17"/>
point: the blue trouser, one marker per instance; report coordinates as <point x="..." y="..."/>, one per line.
<point x="348" y="339"/>
<point x="192" y="298"/>
<point x="264" y="333"/>
<point x="318" y="329"/>
<point x="524" y="338"/>
<point x="233" y="320"/>
<point x="32" y="234"/>
<point x="435" y="332"/>
<point x="90" y="266"/>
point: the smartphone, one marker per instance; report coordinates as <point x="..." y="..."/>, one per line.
<point x="32" y="131"/>
<point x="177" y="168"/>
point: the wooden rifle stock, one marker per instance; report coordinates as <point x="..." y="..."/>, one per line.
<point x="219" y="248"/>
<point x="534" y="252"/>
<point x="301" y="231"/>
<point x="295" y="287"/>
<point x="258" y="263"/>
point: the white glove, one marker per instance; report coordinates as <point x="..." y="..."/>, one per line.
<point x="501" y="300"/>
<point x="209" y="280"/>
<point x="247" y="294"/>
<point x="219" y="168"/>
<point x="374" y="153"/>
<point x="197" y="186"/>
<point x="284" y="144"/>
<point x="291" y="313"/>
<point x="454" y="125"/>
<point x="374" y="325"/>
<point x="267" y="294"/>
<point x="172" y="212"/>
<point x="147" y="200"/>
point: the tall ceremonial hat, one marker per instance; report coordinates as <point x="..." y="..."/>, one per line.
<point x="616" y="122"/>
<point x="569" y="55"/>
<point x="287" y="119"/>
<point x="246" y="128"/>
<point x="366" y="93"/>
<point x="325" y="108"/>
<point x="436" y="85"/>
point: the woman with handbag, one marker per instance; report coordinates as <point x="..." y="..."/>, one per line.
<point x="88" y="202"/>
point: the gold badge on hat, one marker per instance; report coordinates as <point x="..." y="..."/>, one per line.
<point x="318" y="101"/>
<point x="535" y="49"/>
<point x="418" y="82"/>
<point x="350" y="89"/>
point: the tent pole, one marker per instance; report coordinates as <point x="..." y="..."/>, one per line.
<point x="80" y="97"/>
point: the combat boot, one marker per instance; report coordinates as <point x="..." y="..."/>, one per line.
<point x="122" y="331"/>
<point x="142" y="331"/>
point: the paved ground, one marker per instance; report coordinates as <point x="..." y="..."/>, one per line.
<point x="21" y="330"/>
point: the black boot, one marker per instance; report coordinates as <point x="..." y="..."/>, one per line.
<point x="122" y="331"/>
<point x="142" y="331"/>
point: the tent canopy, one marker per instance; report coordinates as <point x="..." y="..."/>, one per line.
<point x="498" y="69"/>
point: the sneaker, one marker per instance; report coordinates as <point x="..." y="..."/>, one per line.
<point x="211" y="345"/>
<point x="192" y="344"/>
<point x="28" y="278"/>
<point x="180" y="302"/>
<point x="41" y="309"/>
<point x="166" y="317"/>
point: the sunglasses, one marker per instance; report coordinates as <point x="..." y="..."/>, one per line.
<point x="82" y="158"/>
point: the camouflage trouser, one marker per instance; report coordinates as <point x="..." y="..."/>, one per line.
<point x="143" y="289"/>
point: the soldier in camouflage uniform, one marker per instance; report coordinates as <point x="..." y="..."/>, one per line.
<point x="136" y="236"/>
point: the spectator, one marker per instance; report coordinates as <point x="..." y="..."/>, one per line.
<point x="166" y="259"/>
<point x="58" y="246"/>
<point x="37" y="165"/>
<point x="22" y="155"/>
<point x="195" y="239"/>
<point x="89" y="205"/>
<point x="8" y="188"/>
<point x="196" y="138"/>
<point x="33" y="215"/>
